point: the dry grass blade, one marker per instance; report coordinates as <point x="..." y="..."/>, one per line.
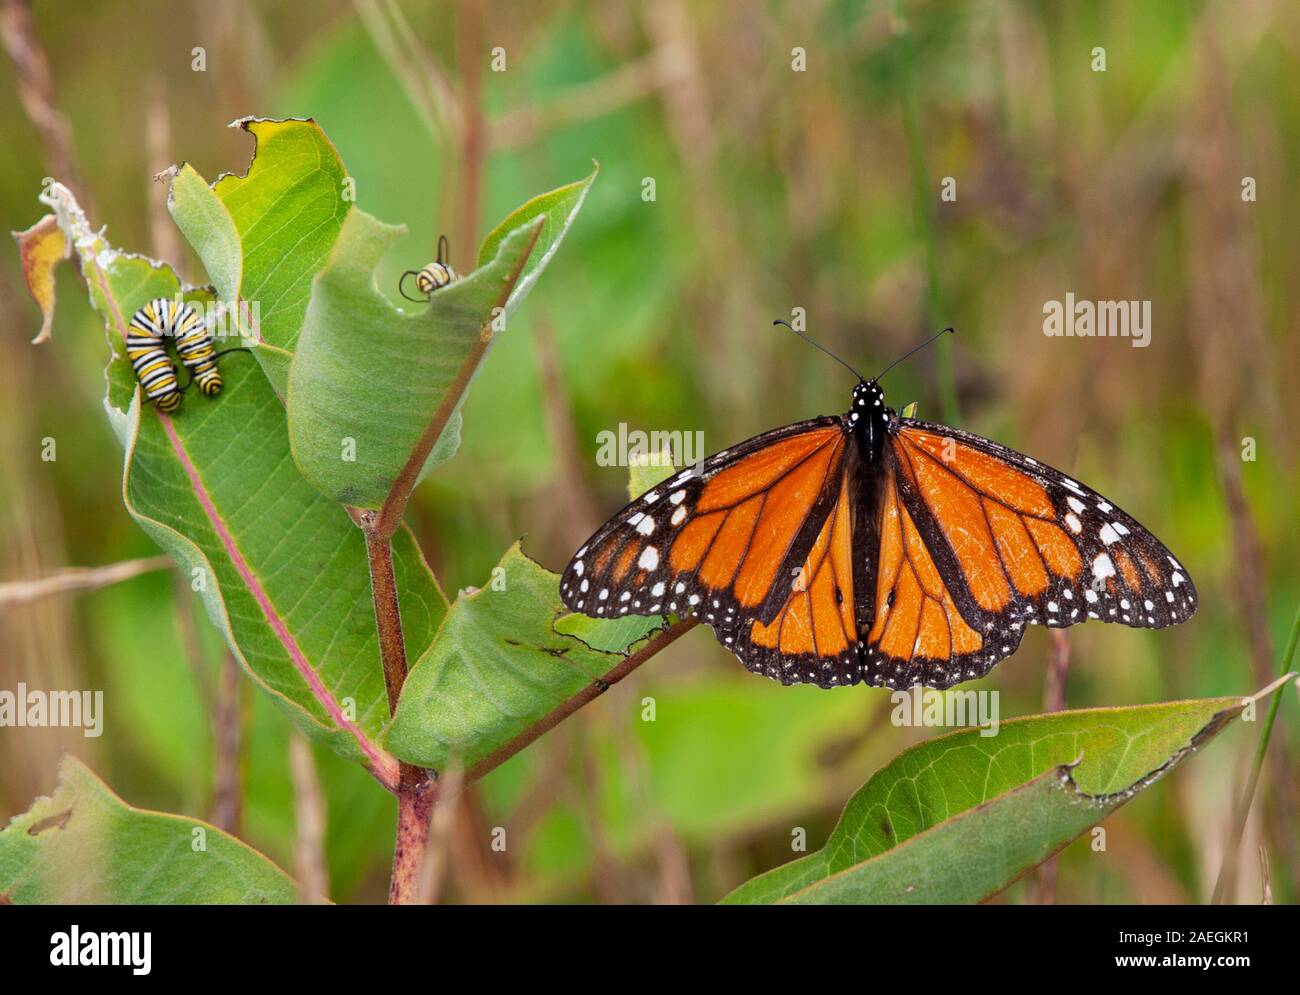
<point x="309" y="814"/>
<point x="35" y="89"/>
<point x="17" y="592"/>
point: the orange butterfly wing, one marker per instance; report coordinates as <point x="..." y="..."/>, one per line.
<point x="714" y="541"/>
<point x="918" y="634"/>
<point x="1009" y="542"/>
<point x="813" y="637"/>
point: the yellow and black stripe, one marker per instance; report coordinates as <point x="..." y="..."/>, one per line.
<point x="144" y="348"/>
<point x="433" y="277"/>
<point x="195" y="347"/>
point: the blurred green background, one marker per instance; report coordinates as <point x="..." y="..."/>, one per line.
<point x="774" y="189"/>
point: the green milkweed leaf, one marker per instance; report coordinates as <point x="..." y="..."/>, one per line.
<point x="84" y="845"/>
<point x="265" y="235"/>
<point x="498" y="665"/>
<point x="557" y="209"/>
<point x="389" y="382"/>
<point x="367" y="376"/>
<point x="958" y="818"/>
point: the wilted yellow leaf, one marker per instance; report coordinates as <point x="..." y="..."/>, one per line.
<point x="41" y="247"/>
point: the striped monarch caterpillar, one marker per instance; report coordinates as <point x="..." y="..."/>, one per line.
<point x="150" y="325"/>
<point x="147" y="354"/>
<point x="433" y="277"/>
<point x="195" y="347"/>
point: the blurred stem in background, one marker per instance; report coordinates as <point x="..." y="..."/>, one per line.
<point x="923" y="213"/>
<point x="1043" y="889"/>
<point x="36" y="91"/>
<point x="1227" y="873"/>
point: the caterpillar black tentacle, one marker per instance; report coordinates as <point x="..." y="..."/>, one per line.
<point x="431" y="278"/>
<point x="215" y="355"/>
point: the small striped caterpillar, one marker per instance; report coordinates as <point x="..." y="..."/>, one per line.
<point x="435" y="276"/>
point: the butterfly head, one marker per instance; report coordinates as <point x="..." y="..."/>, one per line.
<point x="868" y="401"/>
<point x="869" y="418"/>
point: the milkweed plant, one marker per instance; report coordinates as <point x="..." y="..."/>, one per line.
<point x="281" y="502"/>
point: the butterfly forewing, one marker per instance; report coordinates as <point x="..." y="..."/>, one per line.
<point x="714" y="541"/>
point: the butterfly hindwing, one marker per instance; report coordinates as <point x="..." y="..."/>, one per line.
<point x="924" y="628"/>
<point x="812" y="638"/>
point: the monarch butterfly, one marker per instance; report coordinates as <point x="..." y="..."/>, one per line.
<point x="144" y="348"/>
<point x="433" y="277"/>
<point x="875" y="547"/>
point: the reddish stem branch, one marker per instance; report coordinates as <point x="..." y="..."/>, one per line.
<point x="388" y="614"/>
<point x="414" y="798"/>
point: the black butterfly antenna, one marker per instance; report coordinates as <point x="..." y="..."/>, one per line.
<point x="909" y="352"/>
<point x="818" y="345"/>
